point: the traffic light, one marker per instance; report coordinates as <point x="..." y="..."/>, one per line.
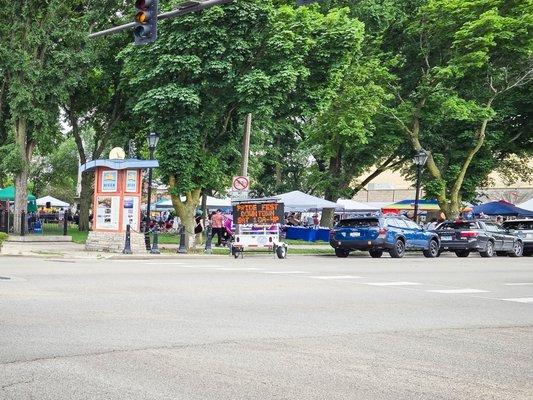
<point x="145" y="30"/>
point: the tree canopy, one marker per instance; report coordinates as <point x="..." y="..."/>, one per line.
<point x="339" y="90"/>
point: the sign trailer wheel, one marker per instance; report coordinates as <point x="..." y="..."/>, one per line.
<point x="281" y="251"/>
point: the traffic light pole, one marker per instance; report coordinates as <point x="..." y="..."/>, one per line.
<point x="183" y="9"/>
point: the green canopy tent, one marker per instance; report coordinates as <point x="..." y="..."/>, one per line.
<point x="8" y="194"/>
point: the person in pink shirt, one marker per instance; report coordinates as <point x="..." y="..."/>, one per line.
<point x="217" y="224"/>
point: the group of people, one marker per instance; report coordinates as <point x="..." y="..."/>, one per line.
<point x="291" y="219"/>
<point x="221" y="226"/>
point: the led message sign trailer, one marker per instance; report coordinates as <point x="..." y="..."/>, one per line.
<point x="258" y="213"/>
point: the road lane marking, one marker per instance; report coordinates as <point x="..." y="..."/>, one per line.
<point x="392" y="283"/>
<point x="519" y="284"/>
<point x="458" y="291"/>
<point x="163" y="263"/>
<point x="327" y="277"/>
<point x="283" y="272"/>
<point x="520" y="299"/>
<point x="11" y="279"/>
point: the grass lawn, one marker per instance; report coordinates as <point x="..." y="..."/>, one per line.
<point x="77" y="236"/>
<point x="299" y="241"/>
<point x="57" y="230"/>
<point x="169" y="238"/>
<point x="164" y="238"/>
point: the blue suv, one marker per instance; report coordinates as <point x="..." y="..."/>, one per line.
<point x="393" y="234"/>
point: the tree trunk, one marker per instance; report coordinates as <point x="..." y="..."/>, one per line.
<point x="186" y="211"/>
<point x="21" y="178"/>
<point x="327" y="217"/>
<point x="86" y="200"/>
<point x="335" y="173"/>
<point x="451" y="209"/>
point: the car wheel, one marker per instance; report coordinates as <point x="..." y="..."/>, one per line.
<point x="433" y="250"/>
<point x="501" y="253"/>
<point x="398" y="250"/>
<point x="462" y="253"/>
<point x="281" y="252"/>
<point x="341" y="253"/>
<point x="376" y="253"/>
<point x="518" y="249"/>
<point x="489" y="251"/>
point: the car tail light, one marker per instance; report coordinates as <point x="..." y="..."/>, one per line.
<point x="383" y="232"/>
<point x="469" y="234"/>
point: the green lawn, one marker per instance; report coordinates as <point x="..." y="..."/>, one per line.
<point x="57" y="230"/>
<point x="77" y="236"/>
<point x="164" y="238"/>
<point x="299" y="241"/>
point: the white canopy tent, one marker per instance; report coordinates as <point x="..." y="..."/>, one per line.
<point x="212" y="202"/>
<point x="53" y="202"/>
<point x="352" y="205"/>
<point x="526" y="205"/>
<point x="299" y="201"/>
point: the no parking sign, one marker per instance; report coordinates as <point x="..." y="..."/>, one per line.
<point x="240" y="183"/>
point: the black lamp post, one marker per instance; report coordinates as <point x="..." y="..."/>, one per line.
<point x="419" y="160"/>
<point x="152" y="138"/>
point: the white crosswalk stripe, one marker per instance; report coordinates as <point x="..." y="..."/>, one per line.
<point x="521" y="299"/>
<point x="392" y="283"/>
<point x="519" y="284"/>
<point x="283" y="272"/>
<point x="458" y="291"/>
<point x="333" y="277"/>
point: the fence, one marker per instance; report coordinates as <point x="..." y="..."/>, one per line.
<point x="32" y="224"/>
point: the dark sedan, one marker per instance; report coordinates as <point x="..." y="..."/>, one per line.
<point x="485" y="237"/>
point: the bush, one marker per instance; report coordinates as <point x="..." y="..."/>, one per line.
<point x="3" y="236"/>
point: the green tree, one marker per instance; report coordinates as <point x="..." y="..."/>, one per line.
<point x="462" y="62"/>
<point x="40" y="50"/>
<point x="57" y="173"/>
<point x="96" y="111"/>
<point x="208" y="70"/>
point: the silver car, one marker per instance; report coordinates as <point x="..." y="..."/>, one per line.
<point x="523" y="228"/>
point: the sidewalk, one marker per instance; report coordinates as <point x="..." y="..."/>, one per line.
<point x="71" y="250"/>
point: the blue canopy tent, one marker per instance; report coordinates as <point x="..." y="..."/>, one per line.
<point x="502" y="208"/>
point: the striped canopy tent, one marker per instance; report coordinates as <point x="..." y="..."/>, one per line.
<point x="423" y="205"/>
<point x="8" y="194"/>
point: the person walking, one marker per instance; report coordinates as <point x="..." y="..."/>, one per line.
<point x="217" y="224"/>
<point x="60" y="216"/>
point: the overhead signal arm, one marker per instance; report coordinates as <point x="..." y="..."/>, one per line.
<point x="145" y="28"/>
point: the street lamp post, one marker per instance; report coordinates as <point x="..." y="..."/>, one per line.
<point x="152" y="138"/>
<point x="419" y="160"/>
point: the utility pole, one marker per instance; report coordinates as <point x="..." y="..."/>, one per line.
<point x="246" y="145"/>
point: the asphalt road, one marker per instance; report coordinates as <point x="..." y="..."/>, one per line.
<point x="309" y="327"/>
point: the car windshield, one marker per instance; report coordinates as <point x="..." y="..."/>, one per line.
<point x="457" y="225"/>
<point x="358" y="223"/>
<point x="519" y="225"/>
